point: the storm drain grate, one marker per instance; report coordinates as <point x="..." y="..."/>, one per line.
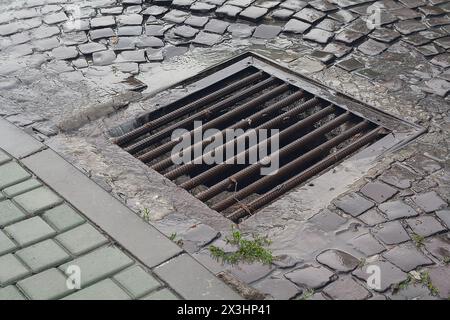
<point x="316" y="128"/>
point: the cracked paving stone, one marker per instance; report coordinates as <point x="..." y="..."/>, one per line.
<point x="228" y="11"/>
<point x="154" y="55"/>
<point x="294" y="5"/>
<point x="351" y="64"/>
<point x="278" y="289"/>
<point x="296" y="26"/>
<point x="309" y="15"/>
<point x="253" y="13"/>
<point x="430" y="11"/>
<point x="425" y="225"/>
<point x="64" y="53"/>
<point x="337" y="49"/>
<point x="343" y="16"/>
<point x="249" y="273"/>
<point x="398" y="176"/>
<point x="329" y="25"/>
<point x="391" y="232"/>
<point x="327" y="220"/>
<point x="124" y="43"/>
<point x="338" y="260"/>
<point x="443" y="42"/>
<point x="421" y="163"/>
<point x="372" y="47"/>
<point x="371" y="217"/>
<point x="346" y="289"/>
<point x="439" y="246"/>
<point x="353" y="204"/>
<point x="444" y="215"/>
<point x="397" y="209"/>
<point x="429" y="201"/>
<point x="129" y="20"/>
<point x="322" y="5"/>
<point x="439" y="87"/>
<point x="129" y="31"/>
<point x="407" y="257"/>
<point x="216" y="26"/>
<point x="367" y="244"/>
<point x="413" y="3"/>
<point x="132" y="56"/>
<point x="186" y="32"/>
<point x="149" y="41"/>
<point x="318" y="35"/>
<point x="348" y="36"/>
<point x="310" y="276"/>
<point x="103" y="58"/>
<point x="240" y="30"/>
<point x="201" y="7"/>
<point x="439" y="278"/>
<point x="378" y="191"/>
<point x="416" y="39"/>
<point x="55" y="18"/>
<point x="198" y="236"/>
<point x="155" y="11"/>
<point x="391" y="275"/>
<point x="438" y="21"/>
<point x="282" y="14"/>
<point x="384" y="35"/>
<point x="322" y="56"/>
<point x="101" y="33"/>
<point x="207" y="39"/>
<point x="91" y="47"/>
<point x="195" y="21"/>
<point x="264" y="31"/>
<point x="409" y="26"/>
<point x="101" y="22"/>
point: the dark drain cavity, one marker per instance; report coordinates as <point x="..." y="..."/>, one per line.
<point x="317" y="128"/>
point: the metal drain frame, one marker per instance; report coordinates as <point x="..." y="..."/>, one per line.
<point x="401" y="131"/>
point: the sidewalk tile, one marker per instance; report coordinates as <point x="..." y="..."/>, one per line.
<point x="47" y="285"/>
<point x="43" y="255"/>
<point x="12" y="173"/>
<point x="81" y="239"/>
<point x="9" y="213"/>
<point x="37" y="200"/>
<point x="10" y="293"/>
<point x="11" y="269"/>
<point x="22" y="187"/>
<point x="103" y="290"/>
<point x="137" y="281"/>
<point x="164" y="294"/>
<point x="63" y="218"/>
<point x="30" y="231"/>
<point x="6" y="244"/>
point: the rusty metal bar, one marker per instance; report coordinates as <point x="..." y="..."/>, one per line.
<point x="245" y="123"/>
<point x="212" y="124"/>
<point x="283" y="152"/>
<point x="290" y="167"/>
<point x="204" y="176"/>
<point x="236" y="97"/>
<point x="305" y="175"/>
<point x="129" y="136"/>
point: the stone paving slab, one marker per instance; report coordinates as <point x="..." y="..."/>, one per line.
<point x="43" y="238"/>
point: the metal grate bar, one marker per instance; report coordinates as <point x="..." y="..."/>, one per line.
<point x="286" y="150"/>
<point x="129" y="136"/>
<point x="250" y="208"/>
<point x="289" y="168"/>
<point x="215" y="123"/>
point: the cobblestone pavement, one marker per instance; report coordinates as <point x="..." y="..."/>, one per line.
<point x="56" y="60"/>
<point x="43" y="238"/>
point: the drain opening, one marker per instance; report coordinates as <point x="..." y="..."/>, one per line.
<point x="315" y="132"/>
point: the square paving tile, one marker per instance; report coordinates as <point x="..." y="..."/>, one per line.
<point x="30" y="231"/>
<point x="425" y="225"/>
<point x="429" y="201"/>
<point x="47" y="285"/>
<point x="63" y="217"/>
<point x="11" y="269"/>
<point x="407" y="257"/>
<point x="9" y="213"/>
<point x="12" y="173"/>
<point x="81" y="239"/>
<point x="137" y="281"/>
<point x="378" y="191"/>
<point x="353" y="204"/>
<point x="391" y="233"/>
<point x="43" y="255"/>
<point x="397" y="209"/>
<point x="38" y="200"/>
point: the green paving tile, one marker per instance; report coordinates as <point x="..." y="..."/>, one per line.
<point x="137" y="281"/>
<point x="81" y="239"/>
<point x="37" y="200"/>
<point x="4" y="157"/>
<point x="47" y="285"/>
<point x="164" y="294"/>
<point x="11" y="269"/>
<point x="22" y="187"/>
<point x="6" y="244"/>
<point x="9" y="213"/>
<point x="12" y="173"/>
<point x="99" y="264"/>
<point x="63" y="217"/>
<point x="30" y="231"/>
<point x="43" y="255"/>
<point x="103" y="290"/>
<point x="11" y="293"/>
